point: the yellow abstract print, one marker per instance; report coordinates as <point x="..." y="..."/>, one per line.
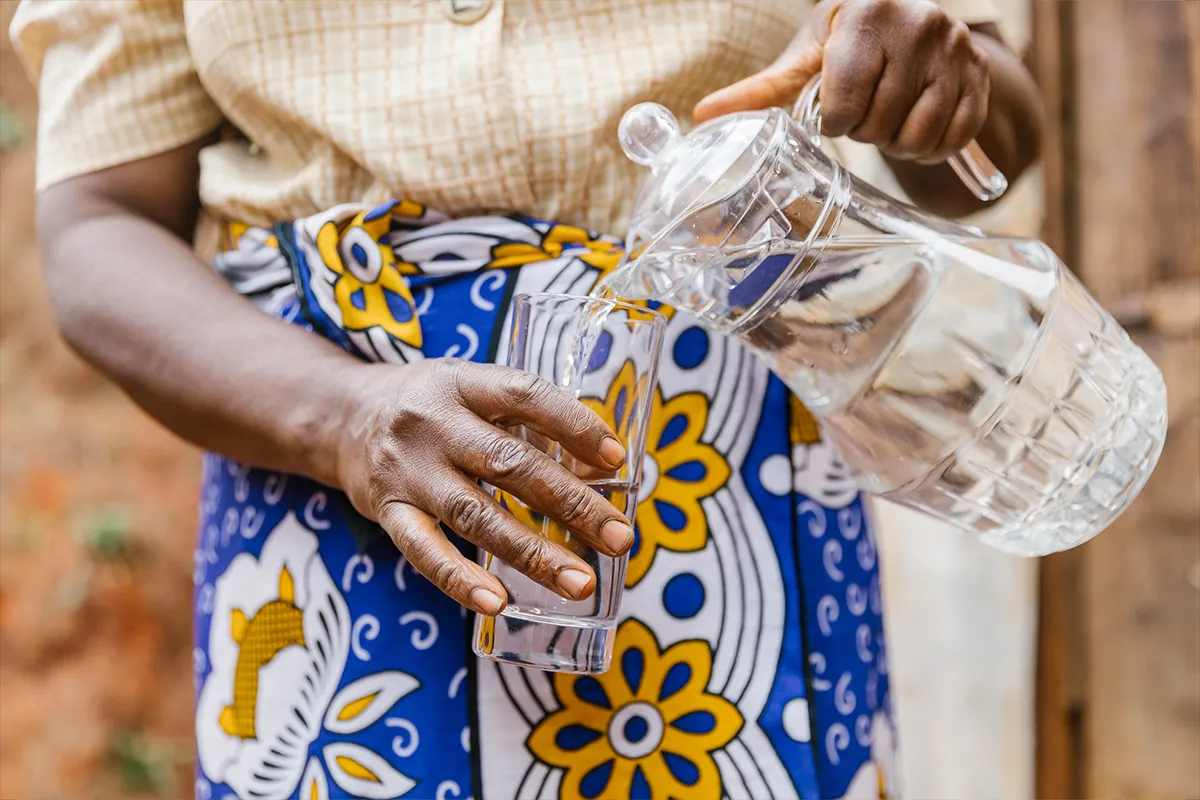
<point x="600" y="253"/>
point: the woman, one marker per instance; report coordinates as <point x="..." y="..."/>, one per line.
<point x="331" y="662"/>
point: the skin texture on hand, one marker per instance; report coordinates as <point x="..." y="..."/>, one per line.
<point x="911" y="80"/>
<point x="406" y="443"/>
<point x="420" y="436"/>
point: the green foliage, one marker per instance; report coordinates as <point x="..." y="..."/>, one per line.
<point x="108" y="534"/>
<point x="12" y="131"/>
<point x="142" y="765"/>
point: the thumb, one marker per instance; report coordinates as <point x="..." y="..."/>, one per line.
<point x="777" y="85"/>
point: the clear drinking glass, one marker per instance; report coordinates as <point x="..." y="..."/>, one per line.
<point x="555" y="336"/>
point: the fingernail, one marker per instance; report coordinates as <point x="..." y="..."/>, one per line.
<point x="487" y="601"/>
<point x="616" y="535"/>
<point x="573" y="582"/>
<point x="612" y="451"/>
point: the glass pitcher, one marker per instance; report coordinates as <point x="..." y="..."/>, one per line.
<point x="969" y="377"/>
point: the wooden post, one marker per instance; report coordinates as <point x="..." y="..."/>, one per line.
<point x="1119" y="661"/>
<point x="1060" y="660"/>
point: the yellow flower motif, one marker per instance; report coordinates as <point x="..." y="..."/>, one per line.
<point x="679" y="470"/>
<point x="575" y="241"/>
<point x="370" y="290"/>
<point x="647" y="726"/>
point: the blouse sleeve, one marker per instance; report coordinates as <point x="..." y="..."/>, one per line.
<point x="115" y="82"/>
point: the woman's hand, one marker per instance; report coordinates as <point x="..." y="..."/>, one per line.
<point x="898" y="74"/>
<point x="419" y="436"/>
<point x="904" y="76"/>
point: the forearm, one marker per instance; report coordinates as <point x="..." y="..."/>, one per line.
<point x="133" y="300"/>
<point x="1011" y="137"/>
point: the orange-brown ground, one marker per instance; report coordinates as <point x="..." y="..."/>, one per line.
<point x="96" y="528"/>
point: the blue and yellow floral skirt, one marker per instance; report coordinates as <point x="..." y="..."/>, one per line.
<point x="750" y="658"/>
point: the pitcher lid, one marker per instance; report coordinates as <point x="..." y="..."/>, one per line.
<point x="688" y="172"/>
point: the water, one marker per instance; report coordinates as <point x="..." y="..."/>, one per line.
<point x="539" y="628"/>
<point x="976" y="380"/>
<point x="583" y="343"/>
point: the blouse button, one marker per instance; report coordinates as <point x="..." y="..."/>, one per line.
<point x="466" y="12"/>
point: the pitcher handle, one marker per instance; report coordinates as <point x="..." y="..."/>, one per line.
<point x="970" y="164"/>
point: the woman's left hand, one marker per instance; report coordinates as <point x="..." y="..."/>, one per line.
<point x="898" y="74"/>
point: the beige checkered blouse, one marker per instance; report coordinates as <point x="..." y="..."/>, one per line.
<point x="460" y="104"/>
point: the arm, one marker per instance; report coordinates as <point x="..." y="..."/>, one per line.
<point x="130" y="297"/>
<point x="407" y="444"/>
<point x="904" y="76"/>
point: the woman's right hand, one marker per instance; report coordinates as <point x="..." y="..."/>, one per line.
<point x="419" y="436"/>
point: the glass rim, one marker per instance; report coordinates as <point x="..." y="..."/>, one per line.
<point x="532" y="298"/>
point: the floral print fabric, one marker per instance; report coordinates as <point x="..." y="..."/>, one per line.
<point x="750" y="659"/>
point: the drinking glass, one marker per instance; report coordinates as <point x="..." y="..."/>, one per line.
<point x="604" y="353"/>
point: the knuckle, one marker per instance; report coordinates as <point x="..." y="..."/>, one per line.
<point x="504" y="456"/>
<point x="981" y="60"/>
<point x="448" y="577"/>
<point x="973" y="106"/>
<point x="578" y="505"/>
<point x="523" y="388"/>
<point x="450" y="372"/>
<point x="931" y="21"/>
<point x="445" y="573"/>
<point x="530" y="555"/>
<point x="961" y="41"/>
<point x="881" y="9"/>
<point x="382" y="459"/>
<point x="401" y="414"/>
<point x="383" y="467"/>
<point x="465" y="510"/>
<point x="446" y="367"/>
<point x="581" y="421"/>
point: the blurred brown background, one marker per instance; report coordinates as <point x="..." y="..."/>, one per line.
<point x="97" y="503"/>
<point x="1118" y="692"/>
<point x="96" y="508"/>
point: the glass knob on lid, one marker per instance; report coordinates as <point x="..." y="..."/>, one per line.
<point x="646" y="132"/>
<point x="702" y="169"/>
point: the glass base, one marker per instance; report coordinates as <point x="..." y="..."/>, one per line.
<point x="542" y="641"/>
